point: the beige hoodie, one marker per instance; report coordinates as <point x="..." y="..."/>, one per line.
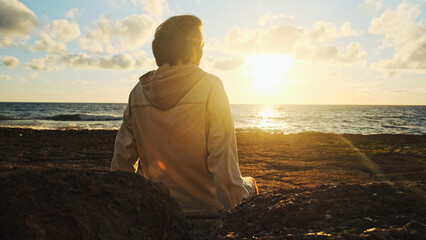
<point x="178" y="127"/>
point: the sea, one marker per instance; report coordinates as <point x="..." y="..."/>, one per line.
<point x="277" y="119"/>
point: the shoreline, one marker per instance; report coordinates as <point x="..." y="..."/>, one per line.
<point x="253" y="104"/>
<point x="275" y="160"/>
<point x="238" y="131"/>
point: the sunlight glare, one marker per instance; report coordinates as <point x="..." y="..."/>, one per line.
<point x="269" y="72"/>
<point x="266" y="119"/>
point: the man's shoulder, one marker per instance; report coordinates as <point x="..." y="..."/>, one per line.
<point x="211" y="80"/>
<point x="212" y="77"/>
<point x="137" y="88"/>
<point x="137" y="97"/>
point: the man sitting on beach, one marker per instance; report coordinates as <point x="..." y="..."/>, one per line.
<point x="178" y="126"/>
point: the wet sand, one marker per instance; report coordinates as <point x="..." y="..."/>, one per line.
<point x="299" y="167"/>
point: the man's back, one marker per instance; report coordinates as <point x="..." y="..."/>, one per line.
<point x="178" y="125"/>
<point x="184" y="135"/>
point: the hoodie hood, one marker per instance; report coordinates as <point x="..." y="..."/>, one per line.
<point x="167" y="85"/>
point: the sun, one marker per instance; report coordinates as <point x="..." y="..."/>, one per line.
<point x="268" y="72"/>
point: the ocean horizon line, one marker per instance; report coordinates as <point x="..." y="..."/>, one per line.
<point x="259" y="104"/>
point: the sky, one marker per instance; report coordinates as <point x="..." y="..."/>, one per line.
<point x="265" y="52"/>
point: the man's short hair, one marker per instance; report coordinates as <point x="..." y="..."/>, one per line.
<point x="175" y="38"/>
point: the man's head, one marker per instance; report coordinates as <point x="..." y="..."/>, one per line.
<point x="178" y="40"/>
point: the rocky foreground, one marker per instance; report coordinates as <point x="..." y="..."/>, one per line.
<point x="56" y="185"/>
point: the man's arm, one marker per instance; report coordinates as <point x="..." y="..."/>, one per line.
<point x="222" y="157"/>
<point x="125" y="156"/>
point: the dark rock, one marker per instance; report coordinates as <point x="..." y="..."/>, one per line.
<point x="70" y="204"/>
<point x="358" y="211"/>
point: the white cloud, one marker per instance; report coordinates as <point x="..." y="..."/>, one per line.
<point x="120" y="61"/>
<point x="410" y="57"/>
<point x="284" y="36"/>
<point x="45" y="63"/>
<point x="371" y="4"/>
<point x="398" y="26"/>
<point x="46" y="43"/>
<point x="346" y="30"/>
<point x="55" y="33"/>
<point x="269" y="17"/>
<point x="84" y="61"/>
<point x="155" y="7"/>
<point x="279" y="39"/>
<point x="5" y="77"/>
<point x="10" y="61"/>
<point x="63" y="29"/>
<point x="326" y="31"/>
<point x="94" y="46"/>
<point x="128" y="33"/>
<point x="399" y="30"/>
<point x="352" y="53"/>
<point x="117" y="62"/>
<point x="142" y="61"/>
<point x="73" y="14"/>
<point x="16" y="21"/>
<point x="238" y="39"/>
<point x="228" y="64"/>
<point x="316" y="44"/>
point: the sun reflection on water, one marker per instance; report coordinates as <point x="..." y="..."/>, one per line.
<point x="269" y="118"/>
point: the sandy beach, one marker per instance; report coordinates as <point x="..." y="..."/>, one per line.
<point x="294" y="173"/>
